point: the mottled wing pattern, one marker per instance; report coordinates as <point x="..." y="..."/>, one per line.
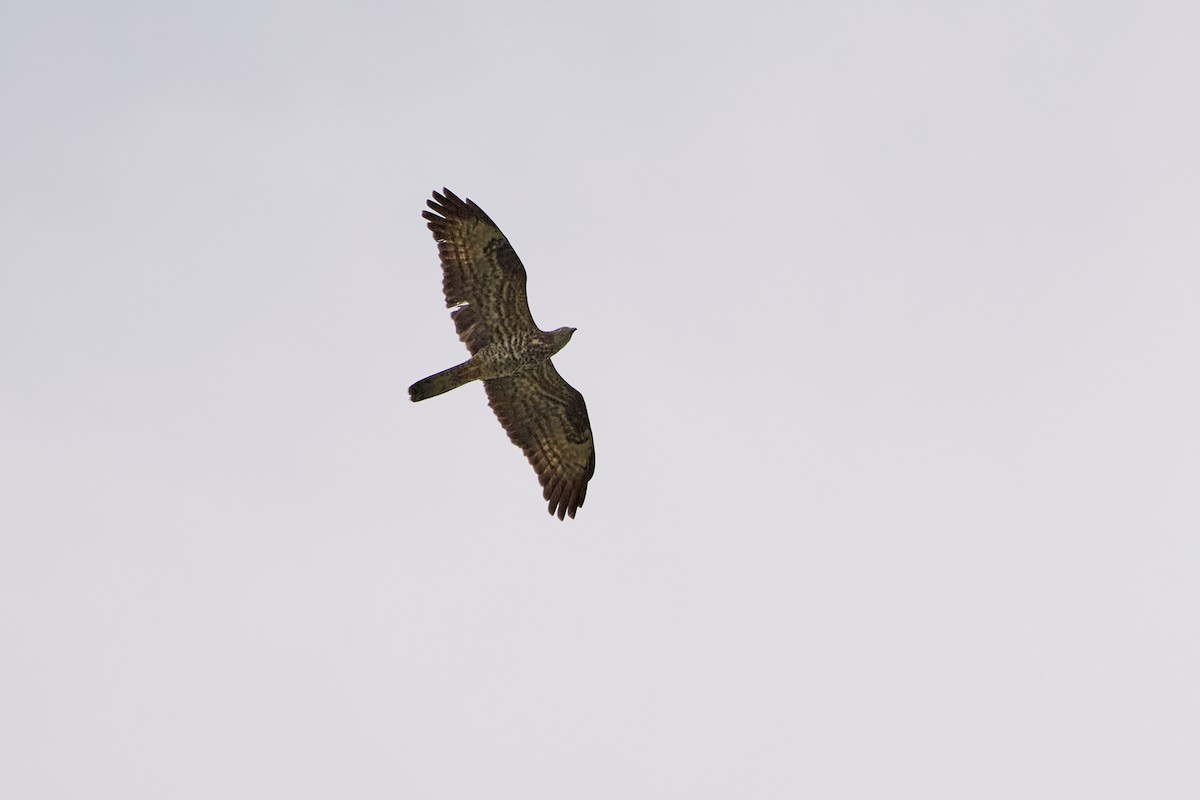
<point x="547" y="418"/>
<point x="483" y="279"/>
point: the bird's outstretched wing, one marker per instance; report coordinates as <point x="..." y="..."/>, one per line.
<point x="483" y="279"/>
<point x="546" y="417"/>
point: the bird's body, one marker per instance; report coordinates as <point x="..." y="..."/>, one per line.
<point x="484" y="285"/>
<point x="499" y="358"/>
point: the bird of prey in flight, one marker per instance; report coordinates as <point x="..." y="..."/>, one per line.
<point x="484" y="283"/>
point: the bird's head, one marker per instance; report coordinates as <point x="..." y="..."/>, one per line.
<point x="561" y="336"/>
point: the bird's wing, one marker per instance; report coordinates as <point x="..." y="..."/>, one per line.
<point x="547" y="418"/>
<point x="483" y="279"/>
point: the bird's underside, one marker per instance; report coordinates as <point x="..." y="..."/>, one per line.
<point x="484" y="284"/>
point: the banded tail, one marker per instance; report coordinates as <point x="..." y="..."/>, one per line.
<point x="442" y="382"/>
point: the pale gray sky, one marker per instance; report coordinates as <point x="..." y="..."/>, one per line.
<point x="888" y="328"/>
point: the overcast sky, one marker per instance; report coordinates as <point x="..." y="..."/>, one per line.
<point x="888" y="321"/>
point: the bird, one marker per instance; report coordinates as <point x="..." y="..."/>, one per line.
<point x="484" y="284"/>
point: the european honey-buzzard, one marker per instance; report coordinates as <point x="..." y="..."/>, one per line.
<point x="484" y="283"/>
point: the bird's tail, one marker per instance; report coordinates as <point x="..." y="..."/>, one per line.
<point x="443" y="381"/>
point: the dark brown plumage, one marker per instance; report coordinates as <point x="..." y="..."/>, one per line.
<point x="484" y="283"/>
